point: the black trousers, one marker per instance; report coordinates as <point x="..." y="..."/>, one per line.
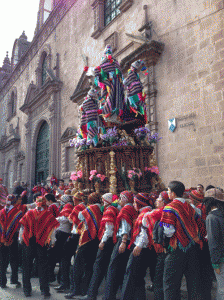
<point x="55" y="253"/>
<point x="133" y="287"/>
<point x="69" y="250"/>
<point x="83" y="267"/>
<point x="100" y="268"/>
<point x="207" y="271"/>
<point x="158" y="279"/>
<point x="177" y="264"/>
<point x="9" y="254"/>
<point x="35" y="250"/>
<point x="116" y="271"/>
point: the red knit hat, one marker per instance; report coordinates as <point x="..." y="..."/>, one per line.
<point x="144" y="199"/>
<point x="128" y="195"/>
<point x="94" y="198"/>
<point x="195" y="195"/>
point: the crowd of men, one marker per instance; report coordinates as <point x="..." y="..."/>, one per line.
<point x="117" y="237"/>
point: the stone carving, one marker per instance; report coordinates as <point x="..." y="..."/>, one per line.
<point x="20" y="156"/>
<point x="68" y="133"/>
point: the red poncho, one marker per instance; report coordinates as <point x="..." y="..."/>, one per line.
<point x="138" y="225"/>
<point x="182" y="216"/>
<point x="129" y="214"/>
<point x="66" y="210"/>
<point x="53" y="209"/>
<point x="109" y="216"/>
<point x="150" y="220"/>
<point x="39" y="224"/>
<point x="201" y="221"/>
<point x="9" y="223"/>
<point x="75" y="212"/>
<point x="21" y="207"/>
<point x="93" y="216"/>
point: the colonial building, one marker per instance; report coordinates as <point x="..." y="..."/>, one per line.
<point x="42" y="85"/>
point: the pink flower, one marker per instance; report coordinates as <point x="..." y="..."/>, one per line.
<point x="93" y="172"/>
<point x="98" y="175"/>
<point x="132" y="172"/>
<point x="146" y="169"/>
<point x="75" y="178"/>
<point x="129" y="176"/>
<point x="103" y="177"/>
<point x="91" y="177"/>
<point x="79" y="173"/>
<point x="73" y="175"/>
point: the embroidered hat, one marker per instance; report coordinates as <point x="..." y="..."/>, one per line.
<point x="128" y="195"/>
<point x="94" y="198"/>
<point x="65" y="199"/>
<point x="93" y="93"/>
<point x="165" y="197"/>
<point x="214" y="193"/>
<point x="108" y="197"/>
<point x="108" y="49"/>
<point x="143" y="199"/>
<point x="78" y="196"/>
<point x="195" y="195"/>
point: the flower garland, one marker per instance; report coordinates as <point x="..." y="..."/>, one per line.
<point x="134" y="174"/>
<point x="153" y="169"/>
<point x="94" y="176"/>
<point x="76" y="175"/>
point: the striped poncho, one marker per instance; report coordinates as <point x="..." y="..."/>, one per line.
<point x="9" y="223"/>
<point x="109" y="78"/>
<point x="183" y="217"/>
<point x="138" y="224"/>
<point x="90" y="227"/>
<point x="3" y="194"/>
<point x="75" y="212"/>
<point x="39" y="224"/>
<point x="109" y="216"/>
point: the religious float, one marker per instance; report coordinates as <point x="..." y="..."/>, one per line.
<point x="114" y="146"/>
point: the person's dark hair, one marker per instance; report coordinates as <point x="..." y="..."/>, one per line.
<point x="210" y="187"/>
<point x="201" y="185"/>
<point x="70" y="180"/>
<point x="177" y="187"/>
<point x="50" y="197"/>
<point x="211" y="202"/>
<point x="62" y="180"/>
<point x="36" y="195"/>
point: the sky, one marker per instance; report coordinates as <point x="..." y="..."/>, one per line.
<point x="16" y="16"/>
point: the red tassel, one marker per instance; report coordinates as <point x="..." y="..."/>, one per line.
<point x="86" y="68"/>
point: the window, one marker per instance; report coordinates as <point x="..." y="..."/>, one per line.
<point x="44" y="69"/>
<point x="12" y="104"/>
<point x="111" y="10"/>
<point x="47" y="8"/>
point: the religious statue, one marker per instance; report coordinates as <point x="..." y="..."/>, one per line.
<point x="109" y="78"/>
<point x="135" y="96"/>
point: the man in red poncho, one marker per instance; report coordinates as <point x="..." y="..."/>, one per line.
<point x="10" y="216"/>
<point x="37" y="233"/>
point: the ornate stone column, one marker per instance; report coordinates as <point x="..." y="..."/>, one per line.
<point x="28" y="157"/>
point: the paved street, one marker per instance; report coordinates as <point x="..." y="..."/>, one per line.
<point x="11" y="293"/>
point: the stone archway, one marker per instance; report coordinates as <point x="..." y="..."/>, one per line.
<point x="42" y="153"/>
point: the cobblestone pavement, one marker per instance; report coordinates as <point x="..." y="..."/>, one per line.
<point x="12" y="293"/>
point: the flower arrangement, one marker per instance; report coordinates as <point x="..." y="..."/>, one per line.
<point x="111" y="136"/>
<point x="153" y="169"/>
<point x="77" y="176"/>
<point x="154" y="138"/>
<point x="134" y="174"/>
<point x="142" y="133"/>
<point x="94" y="176"/>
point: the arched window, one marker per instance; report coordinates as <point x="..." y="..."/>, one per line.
<point x="111" y="10"/>
<point x="44" y="69"/>
<point x="12" y="105"/>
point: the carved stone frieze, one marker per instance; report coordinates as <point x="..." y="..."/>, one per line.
<point x="20" y="156"/>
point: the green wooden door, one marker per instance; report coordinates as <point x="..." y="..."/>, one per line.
<point x="42" y="153"/>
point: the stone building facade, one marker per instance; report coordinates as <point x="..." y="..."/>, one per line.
<point x="182" y="44"/>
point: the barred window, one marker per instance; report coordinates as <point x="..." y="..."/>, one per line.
<point x="111" y="10"/>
